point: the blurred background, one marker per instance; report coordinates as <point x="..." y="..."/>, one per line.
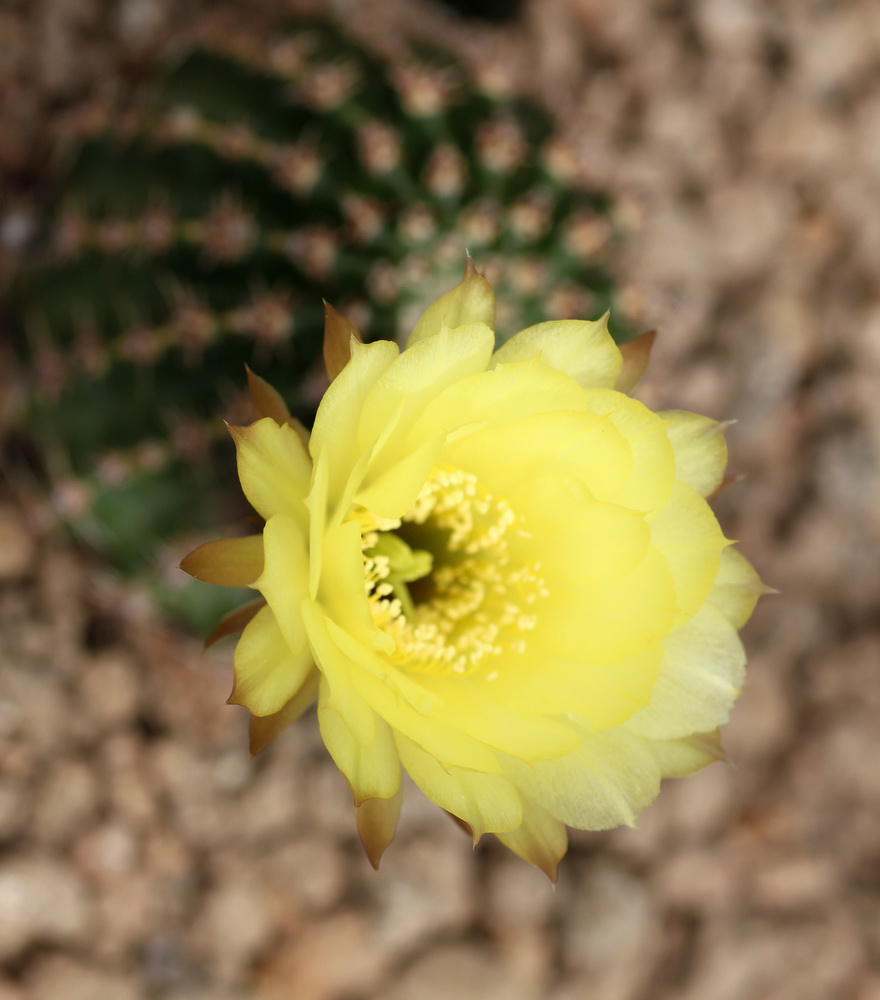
<point x="176" y="182"/>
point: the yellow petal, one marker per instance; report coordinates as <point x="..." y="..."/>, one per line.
<point x="471" y="301"/>
<point x="377" y="823"/>
<point x="583" y="350"/>
<point x="604" y="784"/>
<point x="392" y="490"/>
<point x="636" y="356"/>
<point x="737" y="587"/>
<point x="338" y="335"/>
<point x="700" y="677"/>
<point x="234" y="622"/>
<point x="540" y="840"/>
<point x="679" y="758"/>
<point x="371" y="766"/>
<point x="700" y="449"/>
<point x="503" y="395"/>
<point x="690" y="538"/>
<point x="229" y="562"/>
<point x="338" y="416"/>
<point x="264" y="729"/>
<point x="266" y="400"/>
<point x="268" y="673"/>
<point x="652" y="466"/>
<point x="375" y="682"/>
<point x="284" y="579"/>
<point x="606" y="621"/>
<point x="274" y="468"/>
<point x="417" y="376"/>
<point x="488" y="803"/>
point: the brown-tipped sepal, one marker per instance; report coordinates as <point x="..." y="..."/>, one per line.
<point x="377" y="824"/>
<point x="338" y="334"/>
<point x="234" y="622"/>
<point x="263" y="729"/>
<point x="229" y="562"/>
<point x="266" y="400"/>
<point x="541" y="840"/>
<point x="636" y="357"/>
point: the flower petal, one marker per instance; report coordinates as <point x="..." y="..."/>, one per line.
<point x="605" y="783"/>
<point x="369" y="761"/>
<point x="689" y="536"/>
<point x="263" y="729"/>
<point x="700" y="449"/>
<point x="234" y="622"/>
<point x="701" y="676"/>
<point x="274" y="468"/>
<point x="268" y="673"/>
<point x="584" y="350"/>
<point x="488" y="803"/>
<point x="471" y="301"/>
<point x="229" y="562"/>
<point x="737" y="587"/>
<point x="284" y="579"/>
<point x="377" y="823"/>
<point x="339" y="414"/>
<point x="503" y="395"/>
<point x="540" y="840"/>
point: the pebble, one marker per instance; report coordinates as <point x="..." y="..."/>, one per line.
<point x="41" y="902"/>
<point x="60" y="977"/>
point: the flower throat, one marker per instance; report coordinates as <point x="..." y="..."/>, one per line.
<point x="442" y="581"/>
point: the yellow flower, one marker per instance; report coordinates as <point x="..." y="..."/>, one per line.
<point x="493" y="568"/>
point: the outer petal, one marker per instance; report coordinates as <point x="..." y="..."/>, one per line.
<point x="371" y="765"/>
<point x="268" y="673"/>
<point x="471" y="301"/>
<point x="700" y="449"/>
<point x="274" y="468"/>
<point x="488" y="803"/>
<point x="284" y="579"/>
<point x="264" y="729"/>
<point x="234" y="622"/>
<point x="690" y="539"/>
<point x="737" y="588"/>
<point x="584" y="350"/>
<point x="541" y="839"/>
<point x="230" y="562"/>
<point x="339" y="414"/>
<point x="604" y="784"/>
<point x="702" y="673"/>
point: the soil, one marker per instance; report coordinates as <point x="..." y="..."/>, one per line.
<point x="143" y="856"/>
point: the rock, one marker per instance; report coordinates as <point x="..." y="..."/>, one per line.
<point x="66" y="802"/>
<point x="41" y="902"/>
<point x="307" y="875"/>
<point x="235" y="925"/>
<point x="325" y="960"/>
<point x="56" y="976"/>
<point x="457" y="972"/>
<point x="109" y="688"/>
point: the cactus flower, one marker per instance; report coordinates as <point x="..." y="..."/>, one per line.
<point x="494" y="570"/>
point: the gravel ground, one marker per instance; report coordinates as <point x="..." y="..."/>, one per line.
<point x="142" y="855"/>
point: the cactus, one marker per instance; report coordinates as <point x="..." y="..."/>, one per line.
<point x="198" y="229"/>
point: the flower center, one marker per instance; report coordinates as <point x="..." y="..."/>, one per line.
<point x="442" y="581"/>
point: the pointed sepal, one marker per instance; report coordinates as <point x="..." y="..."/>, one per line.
<point x="377" y="824"/>
<point x="636" y="357"/>
<point x="266" y="400"/>
<point x="229" y="562"/>
<point x="338" y="334"/>
<point x="234" y="622"/>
